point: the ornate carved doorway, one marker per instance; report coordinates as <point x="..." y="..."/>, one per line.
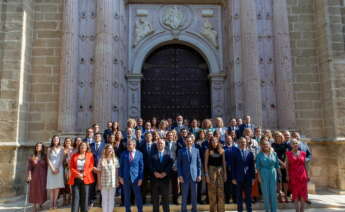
<point x="175" y="81"/>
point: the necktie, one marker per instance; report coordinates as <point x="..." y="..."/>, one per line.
<point x="189" y="154"/>
<point x="160" y="156"/>
<point x="131" y="156"/>
<point x="244" y="158"/>
<point x="148" y="148"/>
<point x="97" y="146"/>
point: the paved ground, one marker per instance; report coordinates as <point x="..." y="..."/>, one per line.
<point x="322" y="202"/>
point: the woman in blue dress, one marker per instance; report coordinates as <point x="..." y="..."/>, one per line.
<point x="267" y="164"/>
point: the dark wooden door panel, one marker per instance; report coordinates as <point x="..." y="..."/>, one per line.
<point x="175" y="82"/>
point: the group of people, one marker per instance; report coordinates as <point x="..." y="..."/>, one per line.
<point x="235" y="163"/>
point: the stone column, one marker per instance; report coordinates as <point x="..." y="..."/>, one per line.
<point x="102" y="100"/>
<point x="134" y="95"/>
<point x="249" y="59"/>
<point x="217" y="94"/>
<point x="283" y="66"/>
<point x="69" y="68"/>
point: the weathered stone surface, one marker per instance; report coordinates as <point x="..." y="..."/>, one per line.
<point x="34" y="62"/>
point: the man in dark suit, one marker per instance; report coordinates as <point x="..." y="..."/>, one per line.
<point x="247" y="124"/>
<point x="182" y="137"/>
<point x="97" y="148"/>
<point x="108" y="131"/>
<point x="148" y="148"/>
<point x="189" y="172"/>
<point x="171" y="147"/>
<point x="131" y="175"/>
<point x="139" y="138"/>
<point x="229" y="188"/>
<point x="178" y="126"/>
<point x="243" y="174"/>
<point x="161" y="163"/>
<point x="233" y="126"/>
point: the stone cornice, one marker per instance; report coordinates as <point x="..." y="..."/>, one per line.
<point x="220" y="75"/>
<point x="134" y="76"/>
<point x="221" y="2"/>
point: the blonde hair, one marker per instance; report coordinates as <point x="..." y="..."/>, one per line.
<point x="103" y="158"/>
<point x="206" y="124"/>
<point x="263" y="140"/>
<point x="220" y="121"/>
<point x="279" y="134"/>
<point x="131" y="123"/>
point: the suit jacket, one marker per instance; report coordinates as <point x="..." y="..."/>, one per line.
<point x="121" y="147"/>
<point x="147" y="156"/>
<point x="243" y="168"/>
<point x="139" y="142"/>
<point x="131" y="171"/>
<point x="189" y="164"/>
<point x="106" y="133"/>
<point x="180" y="143"/>
<point x="89" y="140"/>
<point x="242" y="127"/>
<point x="89" y="164"/>
<point x="178" y="128"/>
<point x="172" y="149"/>
<point x="229" y="154"/>
<point x="161" y="166"/>
<point x="97" y="153"/>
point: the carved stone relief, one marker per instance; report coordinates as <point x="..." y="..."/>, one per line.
<point x="176" y="18"/>
<point x="209" y="33"/>
<point x="142" y="29"/>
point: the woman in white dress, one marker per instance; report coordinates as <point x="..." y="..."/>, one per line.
<point x="55" y="177"/>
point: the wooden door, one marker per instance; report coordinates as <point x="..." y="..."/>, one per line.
<point x="175" y="82"/>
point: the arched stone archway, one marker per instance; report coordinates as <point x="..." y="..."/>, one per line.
<point x="214" y="62"/>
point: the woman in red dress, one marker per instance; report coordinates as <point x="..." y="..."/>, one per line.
<point x="297" y="175"/>
<point x="37" y="177"/>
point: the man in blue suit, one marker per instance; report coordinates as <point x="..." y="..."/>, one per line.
<point x="161" y="163"/>
<point x="189" y="172"/>
<point x="97" y="148"/>
<point x="131" y="175"/>
<point x="243" y="174"/>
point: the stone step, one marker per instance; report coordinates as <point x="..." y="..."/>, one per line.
<point x="177" y="208"/>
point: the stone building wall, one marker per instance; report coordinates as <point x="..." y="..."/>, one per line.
<point x="30" y="56"/>
<point x="46" y="55"/>
<point x="16" y="23"/>
<point x="306" y="73"/>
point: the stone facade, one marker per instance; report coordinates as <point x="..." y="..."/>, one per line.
<point x="67" y="64"/>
